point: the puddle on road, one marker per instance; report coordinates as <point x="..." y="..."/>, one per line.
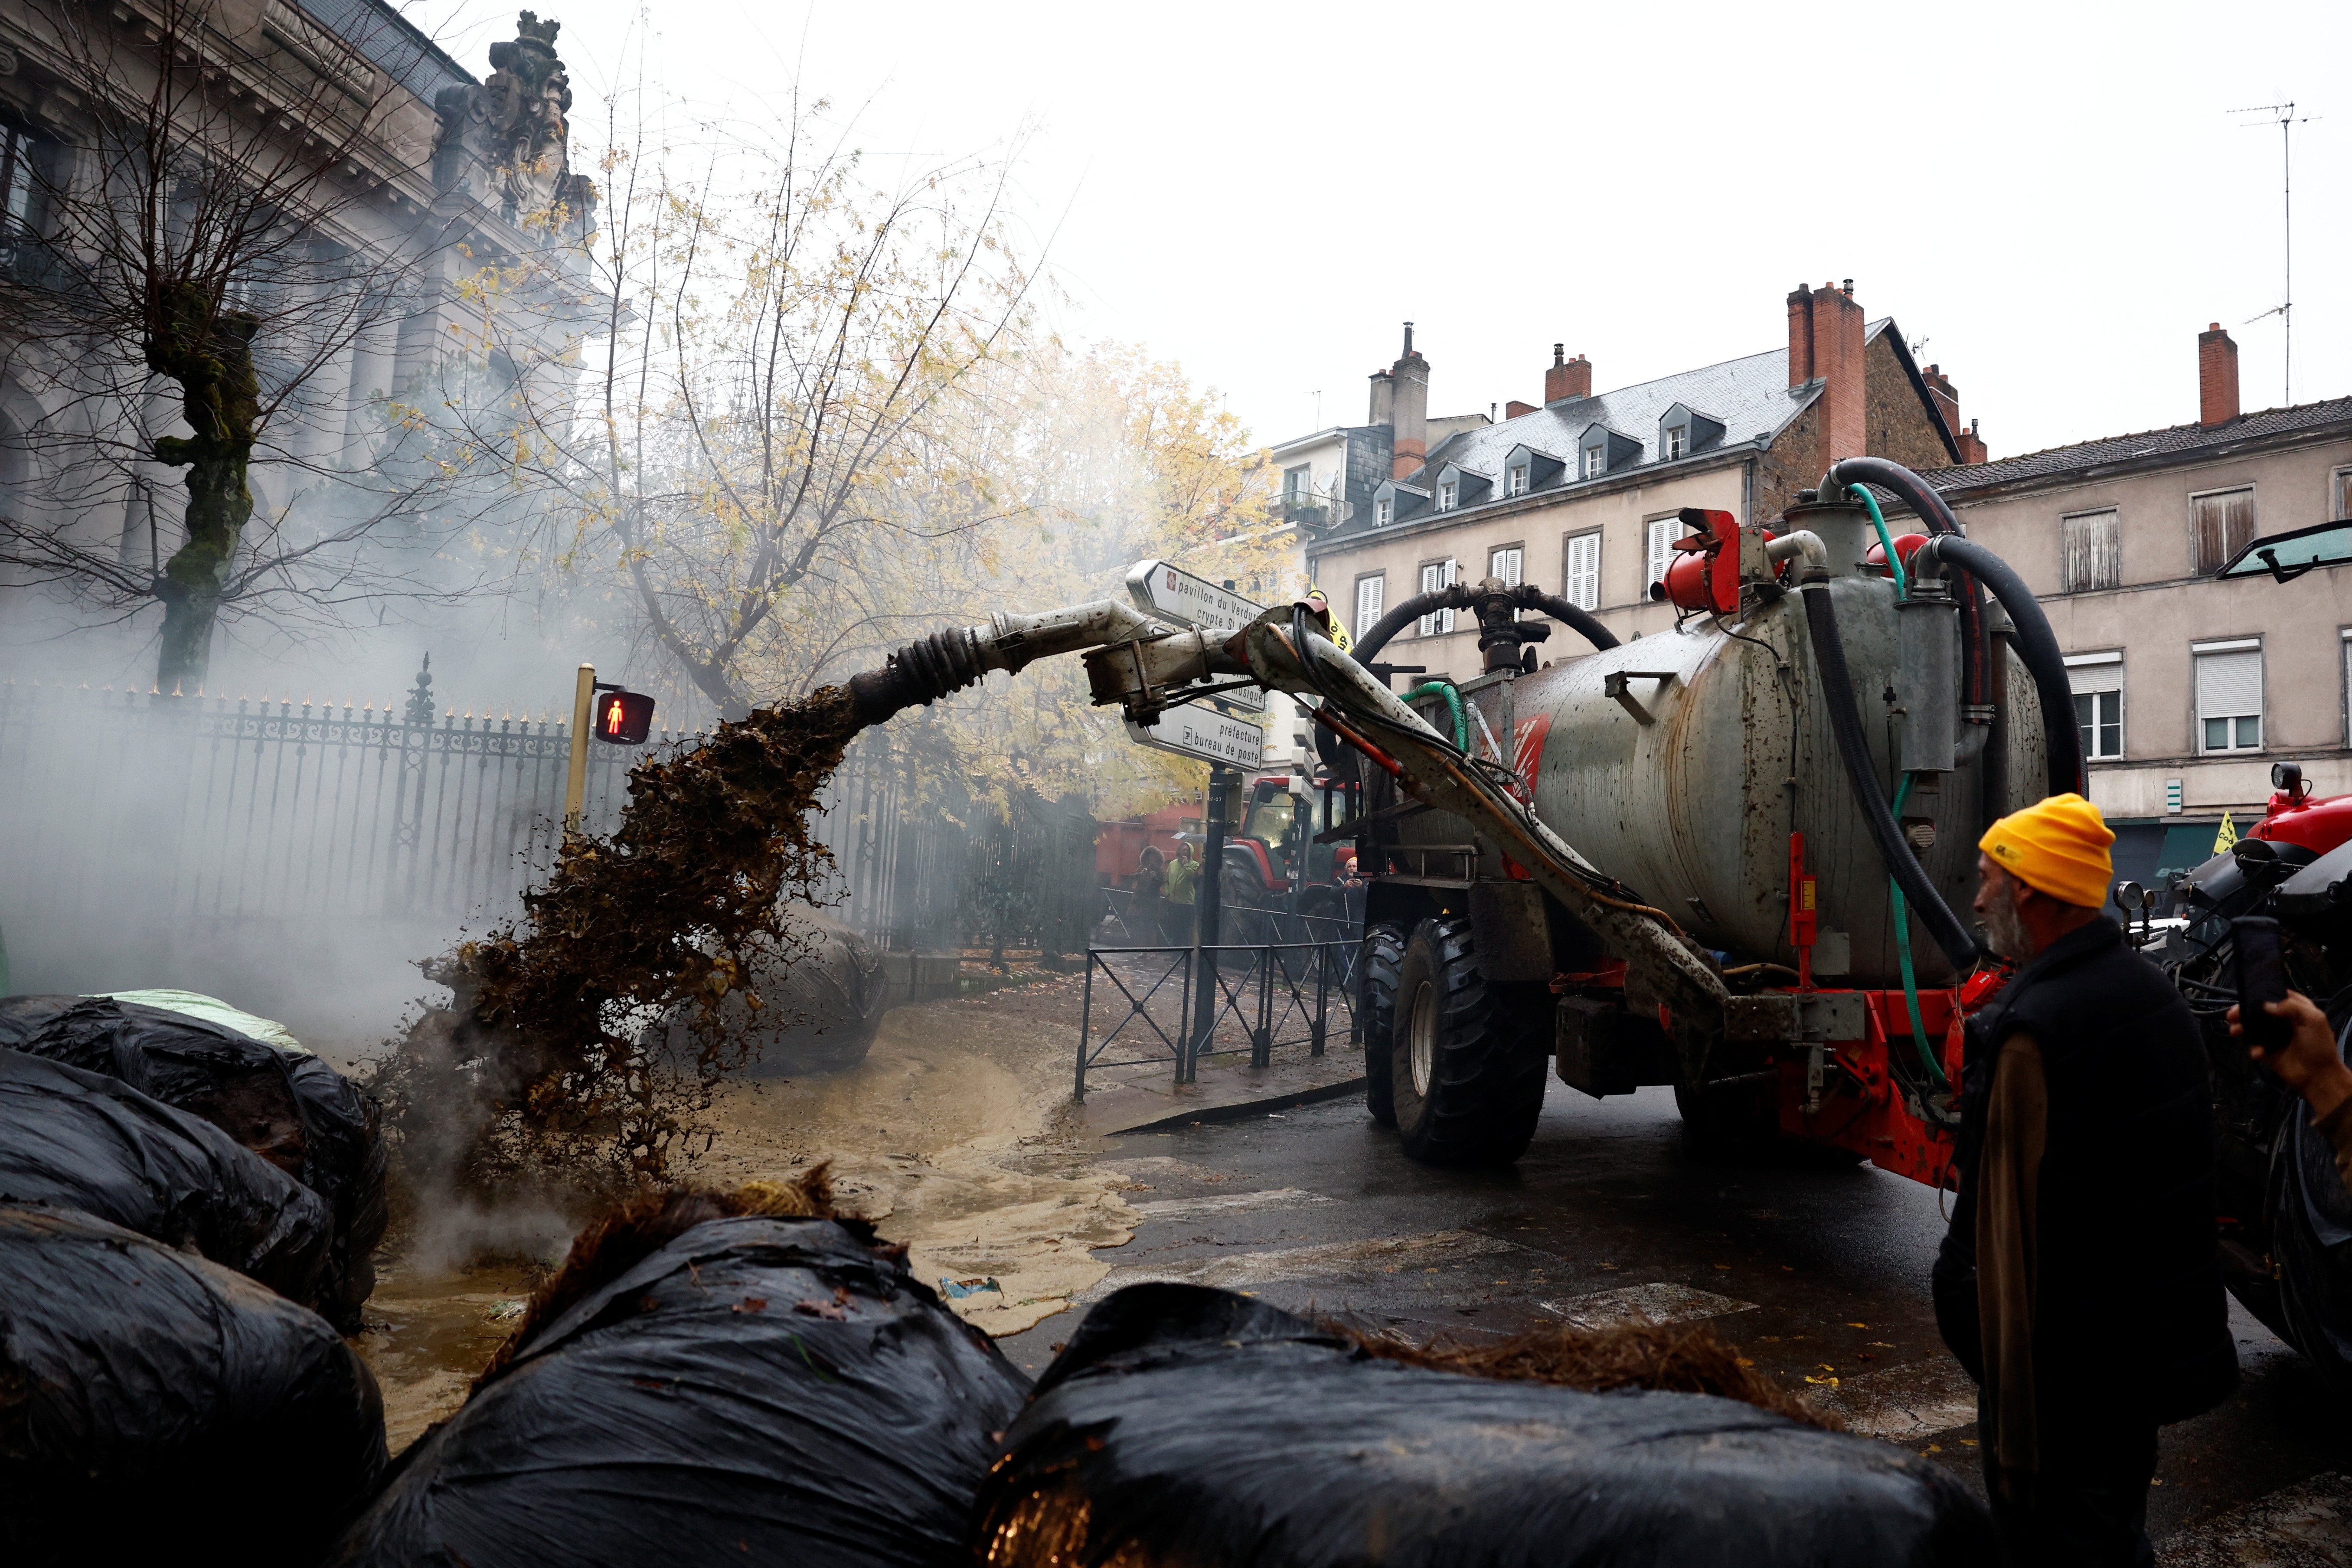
<point x="428" y="1334"/>
<point x="953" y="1135"/>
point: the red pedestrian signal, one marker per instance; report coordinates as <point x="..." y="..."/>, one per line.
<point x="623" y="717"/>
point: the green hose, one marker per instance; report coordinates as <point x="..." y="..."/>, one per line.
<point x="1885" y="542"/>
<point x="1903" y="933"/>
<point x="1453" y="696"/>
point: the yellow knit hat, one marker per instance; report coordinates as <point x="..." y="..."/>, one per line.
<point x="2057" y="846"/>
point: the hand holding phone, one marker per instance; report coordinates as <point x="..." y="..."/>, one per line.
<point x="2262" y="977"/>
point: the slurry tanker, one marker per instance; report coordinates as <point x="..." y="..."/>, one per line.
<point x="1729" y="858"/>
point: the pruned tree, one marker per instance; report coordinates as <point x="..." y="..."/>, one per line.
<point x="214" y="232"/>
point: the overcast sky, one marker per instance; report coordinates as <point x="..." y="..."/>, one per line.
<point x="2053" y="196"/>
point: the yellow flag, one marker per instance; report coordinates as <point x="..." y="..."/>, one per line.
<point x="2227" y="839"/>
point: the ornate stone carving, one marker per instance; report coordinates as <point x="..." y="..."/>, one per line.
<point x="507" y="142"/>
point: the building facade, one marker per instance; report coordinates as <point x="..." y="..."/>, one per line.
<point x="2187" y="689"/>
<point x="1581" y="492"/>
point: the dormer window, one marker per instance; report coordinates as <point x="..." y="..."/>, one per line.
<point x="1515" y="479"/>
<point x="1596" y="462"/>
<point x="1449" y="494"/>
<point x="1383" y="511"/>
<point x="1683" y="431"/>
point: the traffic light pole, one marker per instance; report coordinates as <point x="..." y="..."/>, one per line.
<point x="575" y="780"/>
<point x="1207" y="906"/>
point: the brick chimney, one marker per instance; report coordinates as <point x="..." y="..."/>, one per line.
<point x="1514" y="409"/>
<point x="1410" y="374"/>
<point x="1383" y="410"/>
<point x="1825" y="345"/>
<point x="1947" y="403"/>
<point x="1567" y="377"/>
<point x="2217" y="376"/>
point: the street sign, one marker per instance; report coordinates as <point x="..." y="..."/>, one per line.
<point x="1175" y="595"/>
<point x="1191" y="730"/>
<point x="1164" y="589"/>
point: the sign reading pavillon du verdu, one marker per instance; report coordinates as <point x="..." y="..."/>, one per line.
<point x="1198" y="730"/>
<point x="1167" y="590"/>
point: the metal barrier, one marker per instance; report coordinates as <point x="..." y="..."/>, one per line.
<point x="1278" y="985"/>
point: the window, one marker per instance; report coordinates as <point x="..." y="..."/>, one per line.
<point x="1371" y="601"/>
<point x="1507" y="564"/>
<point x="1677" y="441"/>
<point x="1583" y="571"/>
<point x="1449" y="495"/>
<point x="1435" y="575"/>
<point x="2220" y="525"/>
<point x="2346" y="636"/>
<point x="1515" y="481"/>
<point x="1596" y="461"/>
<point x="20" y="196"/>
<point x="2090" y="556"/>
<point x="2098" y="679"/>
<point x="2229" y="695"/>
<point x="1383" y="513"/>
<point x="1662" y="532"/>
<point x="2340" y="487"/>
<point x="1298" y="486"/>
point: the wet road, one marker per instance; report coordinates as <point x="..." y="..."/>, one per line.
<point x="1820" y="1275"/>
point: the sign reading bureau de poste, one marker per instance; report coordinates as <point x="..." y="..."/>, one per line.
<point x="1170" y="593"/>
<point x="1198" y="730"/>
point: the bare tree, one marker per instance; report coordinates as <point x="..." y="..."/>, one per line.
<point x="222" y="225"/>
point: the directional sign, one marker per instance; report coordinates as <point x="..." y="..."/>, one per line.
<point x="1167" y="590"/>
<point x="1191" y="730"/>
<point x="1175" y="595"/>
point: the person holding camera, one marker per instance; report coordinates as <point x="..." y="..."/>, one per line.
<point x="2077" y="1282"/>
<point x="2311" y="1064"/>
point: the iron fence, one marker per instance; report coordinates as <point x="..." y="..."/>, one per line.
<point x="1261" y="992"/>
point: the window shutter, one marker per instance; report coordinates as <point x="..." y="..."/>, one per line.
<point x="2082" y="677"/>
<point x="2221" y="526"/>
<point x="2089" y="545"/>
<point x="2343" y="511"/>
<point x="2229" y="684"/>
<point x="1584" y="570"/>
<point x="1661" y="541"/>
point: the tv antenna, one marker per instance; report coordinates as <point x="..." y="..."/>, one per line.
<point x="2284" y="117"/>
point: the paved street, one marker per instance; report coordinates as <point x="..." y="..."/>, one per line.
<point x="1818" y="1274"/>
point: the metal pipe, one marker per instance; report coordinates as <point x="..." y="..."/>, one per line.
<point x="930" y="667"/>
<point x="2037" y="644"/>
<point x="1937" y="514"/>
<point x="1801" y="541"/>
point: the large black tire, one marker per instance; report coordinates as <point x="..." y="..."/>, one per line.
<point x="1383" y="952"/>
<point x="2310" y="1216"/>
<point x="1467" y="1069"/>
<point x="1741" y="1122"/>
<point x="1242" y="917"/>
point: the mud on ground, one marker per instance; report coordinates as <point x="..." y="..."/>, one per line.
<point x="956" y="1135"/>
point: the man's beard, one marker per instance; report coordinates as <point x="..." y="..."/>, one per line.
<point x="2004" y="933"/>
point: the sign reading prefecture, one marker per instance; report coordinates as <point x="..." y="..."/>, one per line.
<point x="1160" y="588"/>
<point x="1195" y="730"/>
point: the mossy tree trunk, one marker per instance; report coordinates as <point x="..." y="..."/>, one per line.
<point x="206" y="350"/>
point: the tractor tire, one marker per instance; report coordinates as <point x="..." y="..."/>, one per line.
<point x="1242" y="917"/>
<point x="1383" y="952"/>
<point x="2310" y="1216"/>
<point x="1468" y="1066"/>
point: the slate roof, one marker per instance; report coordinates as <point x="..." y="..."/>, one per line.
<point x="2175" y="440"/>
<point x="393" y="44"/>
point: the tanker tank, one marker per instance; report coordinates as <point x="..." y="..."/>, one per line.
<point x="1681" y="762"/>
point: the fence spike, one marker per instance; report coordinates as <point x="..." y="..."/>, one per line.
<point x="175" y="689"/>
<point x="85" y="686"/>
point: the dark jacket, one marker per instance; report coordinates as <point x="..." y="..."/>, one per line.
<point x="2130" y="1318"/>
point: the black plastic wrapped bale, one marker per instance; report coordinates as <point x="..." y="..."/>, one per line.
<point x="156" y="1407"/>
<point x="1191" y="1426"/>
<point x="758" y="1391"/>
<point x="76" y="1140"/>
<point x="288" y="1107"/>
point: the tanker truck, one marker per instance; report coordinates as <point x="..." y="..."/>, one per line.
<point x="1725" y="857"/>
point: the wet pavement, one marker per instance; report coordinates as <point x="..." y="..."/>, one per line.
<point x="1820" y="1275"/>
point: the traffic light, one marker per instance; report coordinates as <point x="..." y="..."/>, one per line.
<point x="623" y="717"/>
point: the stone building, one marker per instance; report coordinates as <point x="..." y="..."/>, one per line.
<point x="2187" y="689"/>
<point x="1581" y="491"/>
<point x="447" y="179"/>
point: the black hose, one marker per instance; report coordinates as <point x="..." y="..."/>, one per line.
<point x="921" y="672"/>
<point x="2037" y="644"/>
<point x="1462" y="597"/>
<point x="1845" y="721"/>
<point x="1935" y="513"/>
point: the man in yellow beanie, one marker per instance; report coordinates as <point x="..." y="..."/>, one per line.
<point x="2078" y="1281"/>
